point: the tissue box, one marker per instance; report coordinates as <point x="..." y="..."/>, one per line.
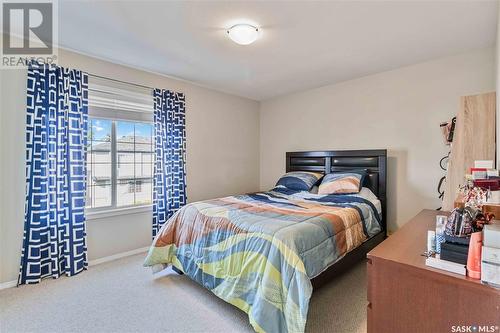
<point x="490" y="266"/>
<point x="491" y="235"/>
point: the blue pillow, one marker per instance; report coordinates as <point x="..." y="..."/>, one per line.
<point x="299" y="180"/>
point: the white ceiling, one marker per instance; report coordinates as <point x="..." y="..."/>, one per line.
<point x="303" y="44"/>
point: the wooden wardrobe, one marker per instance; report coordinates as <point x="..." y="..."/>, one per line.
<point x="474" y="139"/>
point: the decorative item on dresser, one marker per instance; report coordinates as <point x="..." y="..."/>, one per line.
<point x="405" y="295"/>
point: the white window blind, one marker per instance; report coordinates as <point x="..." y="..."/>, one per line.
<point x="119" y="101"/>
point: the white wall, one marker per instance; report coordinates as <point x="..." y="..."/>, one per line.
<point x="399" y="110"/>
<point x="222" y="156"/>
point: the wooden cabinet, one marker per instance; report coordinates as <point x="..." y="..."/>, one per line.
<point x="405" y="295"/>
<point x="474" y="139"/>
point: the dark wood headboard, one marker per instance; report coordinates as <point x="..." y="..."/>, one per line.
<point x="374" y="162"/>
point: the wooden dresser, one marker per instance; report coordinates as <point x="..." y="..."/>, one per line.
<point x="405" y="295"/>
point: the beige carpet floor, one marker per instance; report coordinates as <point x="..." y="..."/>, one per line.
<point x="123" y="296"/>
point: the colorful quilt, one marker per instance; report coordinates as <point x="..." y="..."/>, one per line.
<point x="259" y="251"/>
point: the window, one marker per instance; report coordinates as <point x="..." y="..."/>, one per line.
<point x="120" y="147"/>
<point x="119" y="163"/>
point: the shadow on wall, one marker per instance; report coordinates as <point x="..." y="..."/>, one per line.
<point x="393" y="174"/>
<point x="404" y="199"/>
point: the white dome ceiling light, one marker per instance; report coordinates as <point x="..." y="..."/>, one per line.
<point x="243" y="34"/>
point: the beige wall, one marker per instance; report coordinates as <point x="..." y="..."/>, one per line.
<point x="222" y="157"/>
<point x="399" y="110"/>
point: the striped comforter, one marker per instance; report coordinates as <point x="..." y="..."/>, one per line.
<point x="259" y="251"/>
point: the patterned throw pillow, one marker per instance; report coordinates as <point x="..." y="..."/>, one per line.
<point x="299" y="180"/>
<point x="341" y="183"/>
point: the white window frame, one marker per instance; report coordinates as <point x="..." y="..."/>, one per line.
<point x="114" y="209"/>
<point x="93" y="214"/>
<point x="119" y="101"/>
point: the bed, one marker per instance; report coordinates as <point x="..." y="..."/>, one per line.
<point x="265" y="252"/>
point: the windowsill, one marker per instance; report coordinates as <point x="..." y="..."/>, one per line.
<point x="101" y="214"/>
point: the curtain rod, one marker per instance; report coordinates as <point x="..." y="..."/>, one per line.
<point x="120" y="81"/>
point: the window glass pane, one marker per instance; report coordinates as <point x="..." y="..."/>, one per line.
<point x="100" y="146"/>
<point x="101" y="164"/>
<point x="101" y="195"/>
<point x="124" y="165"/>
<point x="99" y="157"/>
<point x="89" y="171"/>
<point x="125" y="192"/>
<point x="143" y="147"/>
<point x="145" y="158"/>
<point x="124" y="131"/>
<point x="143" y="133"/>
<point x="125" y="157"/>
<point x="143" y="170"/>
<point x="96" y="181"/>
<point x="103" y="200"/>
<point x="88" y="196"/>
<point x="100" y="130"/>
<point x="89" y="134"/>
<point x="125" y="147"/>
<point x="89" y="166"/>
<point x="143" y="191"/>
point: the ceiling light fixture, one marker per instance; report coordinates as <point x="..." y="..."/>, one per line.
<point x="243" y="34"/>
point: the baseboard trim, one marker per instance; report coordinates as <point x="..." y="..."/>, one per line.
<point x="118" y="256"/>
<point x="10" y="284"/>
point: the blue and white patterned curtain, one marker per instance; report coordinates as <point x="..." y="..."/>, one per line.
<point x="169" y="187"/>
<point x="56" y="137"/>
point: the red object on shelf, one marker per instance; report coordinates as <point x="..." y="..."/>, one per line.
<point x="478" y="173"/>
<point x="491" y="184"/>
